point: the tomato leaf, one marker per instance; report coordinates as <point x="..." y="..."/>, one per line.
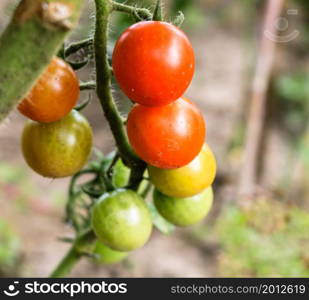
<point x="179" y="19"/>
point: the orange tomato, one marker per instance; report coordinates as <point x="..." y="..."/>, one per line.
<point x="168" y="136"/>
<point x="54" y="94"/>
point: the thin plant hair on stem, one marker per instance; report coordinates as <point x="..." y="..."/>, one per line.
<point x="103" y="71"/>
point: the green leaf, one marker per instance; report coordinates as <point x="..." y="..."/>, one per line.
<point x="294" y="87"/>
<point x="179" y="19"/>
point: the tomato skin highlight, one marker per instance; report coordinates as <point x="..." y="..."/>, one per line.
<point x="188" y="180"/>
<point x="168" y="136"/>
<point x="121" y="220"/>
<point x="54" y="95"/>
<point x="184" y="211"/>
<point x="57" y="149"/>
<point x="153" y="63"/>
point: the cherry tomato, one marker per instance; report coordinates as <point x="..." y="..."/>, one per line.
<point x="184" y="211"/>
<point x="105" y="255"/>
<point x="54" y="95"/>
<point x="121" y="220"/>
<point x="188" y="180"/>
<point x="168" y="136"/>
<point x="57" y="149"/>
<point x="121" y="174"/>
<point x="153" y="63"/>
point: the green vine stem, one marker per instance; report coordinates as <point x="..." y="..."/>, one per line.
<point x="34" y="35"/>
<point x="103" y="88"/>
<point x="157" y="13"/>
<point x="74" y="254"/>
<point x="103" y="71"/>
<point x="76" y="46"/>
<point x="88" y="85"/>
<point x="138" y="13"/>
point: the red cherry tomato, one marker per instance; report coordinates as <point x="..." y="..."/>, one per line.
<point x="167" y="136"/>
<point x="54" y="95"/>
<point x="153" y="63"/>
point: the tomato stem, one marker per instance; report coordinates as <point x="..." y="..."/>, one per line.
<point x="89" y="85"/>
<point x="73" y="255"/>
<point x="76" y="46"/>
<point x="72" y="196"/>
<point x="103" y="73"/>
<point x="157" y="13"/>
<point x="138" y="13"/>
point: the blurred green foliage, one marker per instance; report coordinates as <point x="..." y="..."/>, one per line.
<point x="194" y="15"/>
<point x="11" y="174"/>
<point x="18" y="186"/>
<point x="293" y="92"/>
<point x="15" y="185"/>
<point x="269" y="239"/>
<point x="9" y="248"/>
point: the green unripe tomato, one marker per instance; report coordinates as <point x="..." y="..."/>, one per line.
<point x="57" y="149"/>
<point x="121" y="220"/>
<point x="121" y="174"/>
<point x="105" y="255"/>
<point x="184" y="211"/>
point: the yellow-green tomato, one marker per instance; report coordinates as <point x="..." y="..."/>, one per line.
<point x="105" y="255"/>
<point x="121" y="220"/>
<point x="184" y="211"/>
<point x="188" y="180"/>
<point x="57" y="149"/>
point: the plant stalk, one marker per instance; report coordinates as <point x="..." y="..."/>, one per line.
<point x="73" y="255"/>
<point x="35" y="34"/>
<point x="103" y="73"/>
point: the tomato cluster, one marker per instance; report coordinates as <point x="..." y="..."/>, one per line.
<point x="153" y="63"/>
<point x="57" y="141"/>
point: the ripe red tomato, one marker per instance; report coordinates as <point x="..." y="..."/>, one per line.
<point x="168" y="136"/>
<point x="153" y="63"/>
<point x="54" y="95"/>
<point x="57" y="149"/>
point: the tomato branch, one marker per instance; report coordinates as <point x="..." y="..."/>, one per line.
<point x="89" y="85"/>
<point x="115" y="120"/>
<point x="76" y="46"/>
<point x="103" y="72"/>
<point x="35" y="34"/>
<point x="74" y="254"/>
<point x="137" y="13"/>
